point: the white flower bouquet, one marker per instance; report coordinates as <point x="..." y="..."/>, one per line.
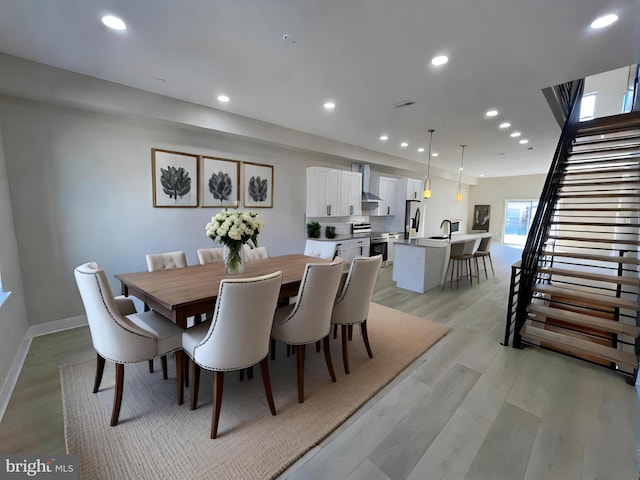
<point x="233" y="230"/>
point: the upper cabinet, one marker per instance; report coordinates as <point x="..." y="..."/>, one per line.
<point x="387" y="189"/>
<point x="350" y="193"/>
<point x="409" y="189"/>
<point x="333" y="193"/>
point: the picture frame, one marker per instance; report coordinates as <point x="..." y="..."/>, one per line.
<point x="258" y="185"/>
<point x="175" y="178"/>
<point x="220" y="182"/>
<point x="481" y="217"/>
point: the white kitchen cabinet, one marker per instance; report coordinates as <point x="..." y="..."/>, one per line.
<point x="387" y="189"/>
<point x="350" y="202"/>
<point x="409" y="189"/>
<point x="322" y="192"/>
<point x="348" y="250"/>
<point x="333" y="193"/>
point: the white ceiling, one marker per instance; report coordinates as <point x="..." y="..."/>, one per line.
<point x="366" y="55"/>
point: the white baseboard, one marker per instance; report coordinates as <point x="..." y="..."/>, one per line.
<point x="23" y="350"/>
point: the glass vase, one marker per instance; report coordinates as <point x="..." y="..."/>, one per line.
<point x="233" y="258"/>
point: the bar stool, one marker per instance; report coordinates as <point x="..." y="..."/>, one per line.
<point x="483" y="252"/>
<point x="459" y="259"/>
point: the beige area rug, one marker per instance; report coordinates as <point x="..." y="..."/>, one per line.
<point x="156" y="438"/>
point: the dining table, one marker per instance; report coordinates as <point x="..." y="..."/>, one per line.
<point x="180" y="293"/>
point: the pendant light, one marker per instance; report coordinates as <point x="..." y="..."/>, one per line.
<point x="459" y="192"/>
<point x="427" y="181"/>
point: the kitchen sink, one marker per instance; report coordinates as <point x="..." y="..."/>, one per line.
<point x="440" y="237"/>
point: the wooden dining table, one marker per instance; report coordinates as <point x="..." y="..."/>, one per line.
<point x="184" y="292"/>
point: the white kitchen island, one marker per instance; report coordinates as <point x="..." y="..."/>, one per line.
<point x="420" y="264"/>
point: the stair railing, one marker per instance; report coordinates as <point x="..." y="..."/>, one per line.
<point x="539" y="230"/>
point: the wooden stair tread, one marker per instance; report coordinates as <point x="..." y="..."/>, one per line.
<point x="601" y="182"/>
<point x="601" y="171"/>
<point x="597" y="195"/>
<point x="595" y="240"/>
<point x="574" y="345"/>
<point x="609" y="124"/>
<point x="584" y="320"/>
<point x="596" y="224"/>
<point x="607" y="300"/>
<point x="561" y="208"/>
<point x="590" y="256"/>
<point x="615" y="279"/>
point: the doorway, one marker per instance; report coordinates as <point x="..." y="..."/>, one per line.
<point x="518" y="217"/>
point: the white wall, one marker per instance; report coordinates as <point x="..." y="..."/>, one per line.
<point x="610" y="87"/>
<point x="13" y="313"/>
<point x="495" y="191"/>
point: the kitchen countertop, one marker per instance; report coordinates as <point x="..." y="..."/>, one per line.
<point x="353" y="236"/>
<point x="437" y="242"/>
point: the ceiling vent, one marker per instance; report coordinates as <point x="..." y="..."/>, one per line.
<point x="406" y="103"/>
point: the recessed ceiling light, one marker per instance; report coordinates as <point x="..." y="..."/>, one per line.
<point x="604" y="21"/>
<point x="515" y="134"/>
<point x="404" y="144"/>
<point x="421" y="149"/>
<point x="439" y="60"/>
<point x="223" y="98"/>
<point x="524" y="141"/>
<point x="482" y="174"/>
<point x="504" y="125"/>
<point x="435" y="154"/>
<point x="384" y="138"/>
<point x="114" y="23"/>
<point x="491" y="113"/>
<point x="329" y="105"/>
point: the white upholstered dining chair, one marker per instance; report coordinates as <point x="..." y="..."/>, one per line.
<point x="255" y="253"/>
<point x="166" y="261"/>
<point x="236" y="338"/>
<point x="320" y="249"/>
<point x="309" y="319"/>
<point x="210" y="255"/>
<point x="120" y="338"/>
<point x="352" y="304"/>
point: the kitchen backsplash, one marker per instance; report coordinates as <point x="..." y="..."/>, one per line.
<point x="343" y="224"/>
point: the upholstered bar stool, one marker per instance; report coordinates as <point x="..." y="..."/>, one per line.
<point x="483" y="252"/>
<point x="460" y="262"/>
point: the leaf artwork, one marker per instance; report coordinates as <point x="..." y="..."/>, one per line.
<point x="176" y="182"/>
<point x="258" y="189"/>
<point x="220" y="186"/>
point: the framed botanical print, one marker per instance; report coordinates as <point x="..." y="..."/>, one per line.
<point x="174" y="178"/>
<point x="258" y="185"/>
<point x="220" y="182"/>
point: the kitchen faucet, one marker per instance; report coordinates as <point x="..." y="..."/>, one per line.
<point x="449" y="222"/>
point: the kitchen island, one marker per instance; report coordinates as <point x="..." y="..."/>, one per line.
<point x="420" y="263"/>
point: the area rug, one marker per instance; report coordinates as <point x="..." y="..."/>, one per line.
<point x="156" y="438"/>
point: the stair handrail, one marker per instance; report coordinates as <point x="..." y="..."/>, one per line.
<point x="539" y="230"/>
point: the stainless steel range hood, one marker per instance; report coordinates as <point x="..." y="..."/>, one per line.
<point x="365" y="170"/>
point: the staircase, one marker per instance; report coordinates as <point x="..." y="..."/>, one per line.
<point x="577" y="286"/>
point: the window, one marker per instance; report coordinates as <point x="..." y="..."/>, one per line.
<point x="3" y="295"/>
<point x="588" y="106"/>
<point x="518" y="217"/>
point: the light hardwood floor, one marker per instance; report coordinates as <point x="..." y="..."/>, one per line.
<point x="467" y="409"/>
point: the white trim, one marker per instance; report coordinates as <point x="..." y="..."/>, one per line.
<point x="56" y="326"/>
<point x="23" y="350"/>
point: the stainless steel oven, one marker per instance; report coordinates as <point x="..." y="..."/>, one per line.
<point x="379" y="245"/>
